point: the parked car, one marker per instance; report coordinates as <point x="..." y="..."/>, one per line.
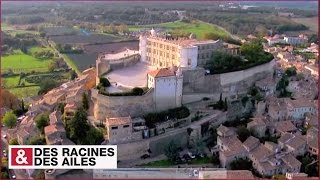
<point x="145" y="156"/>
<point x="5" y="136"/>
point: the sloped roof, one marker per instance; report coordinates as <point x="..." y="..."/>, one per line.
<point x="164" y="72"/>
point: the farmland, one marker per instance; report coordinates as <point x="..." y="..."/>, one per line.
<point x="312" y="22"/>
<point x="59" y="30"/>
<point x="20" y="62"/>
<point x="84" y="39"/>
<point x="199" y="28"/>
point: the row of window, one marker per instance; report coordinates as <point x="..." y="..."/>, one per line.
<point x="161" y="46"/>
<point x="116" y="127"/>
<point x="160" y="53"/>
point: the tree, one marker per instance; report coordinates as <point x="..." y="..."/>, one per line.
<point x="78" y="126"/>
<point x="171" y="151"/>
<point x="22" y="105"/>
<point x="14" y="141"/>
<point x="291" y="71"/>
<point x="104" y="82"/>
<point x="241" y="164"/>
<point x="85" y="101"/>
<point x="46" y="85"/>
<point x="51" y="66"/>
<point x="5" y="175"/>
<point x="42" y="120"/>
<point x="9" y="100"/>
<point x="10" y="119"/>
<point x="36" y="140"/>
<point x="243" y="133"/>
<point x="225" y="105"/>
<point x="4" y="161"/>
<point x="94" y="136"/>
<point x="137" y="91"/>
<point x="73" y="75"/>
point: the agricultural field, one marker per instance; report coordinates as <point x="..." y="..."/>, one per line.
<point x="59" y="30"/>
<point x="91" y="52"/>
<point x="81" y="62"/>
<point x="28" y="85"/>
<point x="85" y="39"/>
<point x="199" y="28"/>
<point x="23" y="92"/>
<point x="20" y="62"/>
<point x="311" y="22"/>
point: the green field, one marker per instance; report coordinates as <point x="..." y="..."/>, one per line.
<point x="37" y="48"/>
<point x="12" y="81"/>
<point x="199" y="28"/>
<point x="71" y="63"/>
<point x="25" y="91"/>
<point x="20" y="62"/>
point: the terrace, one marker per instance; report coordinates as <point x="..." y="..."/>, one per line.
<point x="129" y="77"/>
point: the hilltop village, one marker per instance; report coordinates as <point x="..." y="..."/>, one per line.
<point x="169" y="94"/>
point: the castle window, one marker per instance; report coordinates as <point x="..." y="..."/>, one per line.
<point x="167" y="47"/>
<point x="189" y="61"/>
<point x="125" y="126"/>
<point x="114" y="127"/>
<point x="167" y="55"/>
<point x="172" y="56"/>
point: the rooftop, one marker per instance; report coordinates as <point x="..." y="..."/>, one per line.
<point x="115" y="121"/>
<point x="285" y="126"/>
<point x="163" y="72"/>
<point x="53" y="128"/>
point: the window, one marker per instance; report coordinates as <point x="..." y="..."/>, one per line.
<point x="189" y="61"/>
<point x="167" y="55"/>
<point x="172" y="56"/>
<point x="114" y="127"/>
<point x="167" y="47"/>
<point x="125" y="126"/>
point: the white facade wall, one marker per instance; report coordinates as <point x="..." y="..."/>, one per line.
<point x="179" y="90"/>
<point x="295" y="40"/>
<point x="299" y="113"/>
<point x="188" y="56"/>
<point x="150" y="80"/>
<point x="143" y="48"/>
<point x="165" y="92"/>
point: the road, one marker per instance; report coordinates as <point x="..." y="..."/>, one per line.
<point x="19" y="173"/>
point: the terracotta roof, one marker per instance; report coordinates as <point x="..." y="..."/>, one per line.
<point x="53" y="128"/>
<point x="261" y="152"/>
<point x="72" y="106"/>
<point x="290" y="161"/>
<point x="164" y="72"/>
<point x="285" y="126"/>
<point x="256" y="122"/>
<point x="119" y="121"/>
<point x="55" y="117"/>
<point x="250" y="143"/>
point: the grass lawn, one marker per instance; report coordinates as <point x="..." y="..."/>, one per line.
<point x="11" y="81"/>
<point x="161" y="163"/>
<point x="24" y="92"/>
<point x="204" y="160"/>
<point x="20" y="62"/>
<point x="199" y="28"/>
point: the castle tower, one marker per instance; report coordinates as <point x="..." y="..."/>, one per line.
<point x="179" y="87"/>
<point x="143" y="48"/>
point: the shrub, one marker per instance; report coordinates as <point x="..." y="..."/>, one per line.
<point x="104" y="82"/>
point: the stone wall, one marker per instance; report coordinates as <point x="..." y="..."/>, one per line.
<point x="197" y="85"/>
<point x="124" y="62"/>
<point x="115" y="106"/>
<point x="104" y="66"/>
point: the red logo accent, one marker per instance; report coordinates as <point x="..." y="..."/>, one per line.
<point x="21" y="156"/>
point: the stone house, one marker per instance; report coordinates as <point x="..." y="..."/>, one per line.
<point x="267" y="86"/>
<point x="119" y="129"/>
<point x="257" y="126"/>
<point x="224" y="131"/>
<point x="230" y="149"/>
<point x="293" y="144"/>
<point x="283" y="127"/>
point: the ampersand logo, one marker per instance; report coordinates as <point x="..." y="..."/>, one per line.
<point x="21" y="156"/>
